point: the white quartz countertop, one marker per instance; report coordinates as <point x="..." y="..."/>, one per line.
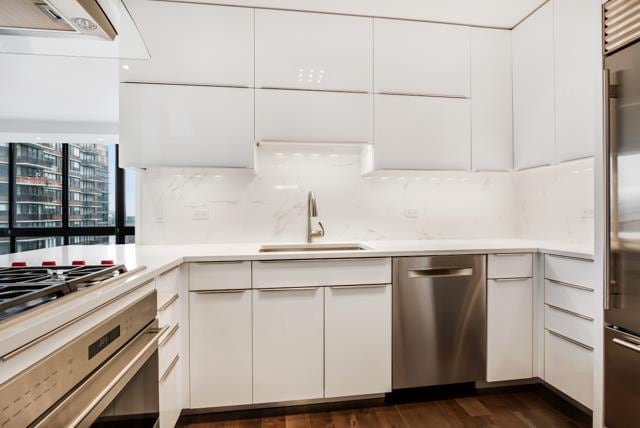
<point x="157" y="258"/>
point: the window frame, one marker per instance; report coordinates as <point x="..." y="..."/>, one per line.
<point x="120" y="230"/>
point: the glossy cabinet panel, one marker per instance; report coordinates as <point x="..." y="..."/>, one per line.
<point x="313" y="51"/>
<point x="421" y="58"/>
<point x="413" y="132"/>
<point x="491" y="100"/>
<point x="180" y="125"/>
<point x="533" y="90"/>
<point x="357" y="340"/>
<point x="313" y="116"/>
<point x="192" y="44"/>
<point x="232" y="275"/>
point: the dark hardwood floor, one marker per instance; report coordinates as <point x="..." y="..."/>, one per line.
<point x="532" y="406"/>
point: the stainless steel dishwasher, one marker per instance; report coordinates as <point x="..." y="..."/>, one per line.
<point x="439" y="320"/>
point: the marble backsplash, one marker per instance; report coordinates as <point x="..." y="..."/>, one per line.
<point x="178" y="206"/>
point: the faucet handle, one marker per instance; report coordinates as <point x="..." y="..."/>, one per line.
<point x="321" y="232"/>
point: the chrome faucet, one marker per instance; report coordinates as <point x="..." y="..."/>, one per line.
<point x="312" y="211"/>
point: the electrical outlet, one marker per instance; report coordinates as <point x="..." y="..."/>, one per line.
<point x="411" y="213"/>
<point x="200" y="213"/>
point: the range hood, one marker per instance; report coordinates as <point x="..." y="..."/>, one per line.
<point x="55" y="18"/>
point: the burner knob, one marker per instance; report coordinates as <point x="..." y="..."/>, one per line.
<point x="18" y="264"/>
<point x="78" y="263"/>
<point x="107" y="262"/>
<point x="49" y="263"/>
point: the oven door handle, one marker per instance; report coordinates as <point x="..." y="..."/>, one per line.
<point x="82" y="406"/>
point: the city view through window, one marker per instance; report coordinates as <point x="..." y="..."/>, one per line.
<point x="69" y="190"/>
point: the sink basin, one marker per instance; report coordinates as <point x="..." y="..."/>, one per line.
<point x="294" y="248"/>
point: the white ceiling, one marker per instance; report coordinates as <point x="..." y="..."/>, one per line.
<point x="488" y="13"/>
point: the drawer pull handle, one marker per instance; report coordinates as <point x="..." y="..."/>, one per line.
<point x="509" y="254"/>
<point x="523" y="278"/>
<point x="169" y="369"/>
<point x="440" y="272"/>
<point x="229" y="291"/>
<point x="347" y="287"/>
<point x="565" y="338"/>
<point x="167" y="272"/>
<point x="221" y="262"/>
<point x="168" y="303"/>
<point x="627" y="345"/>
<point x="288" y="289"/>
<point x="566" y="284"/>
<point x="169" y="335"/>
<point x="575" y="314"/>
<point x="318" y="260"/>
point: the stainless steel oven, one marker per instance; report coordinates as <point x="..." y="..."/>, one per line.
<point x="107" y="376"/>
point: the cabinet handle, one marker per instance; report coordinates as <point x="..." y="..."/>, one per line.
<point x="347" y="287"/>
<point x="440" y="272"/>
<point x="221" y="262"/>
<point x="522" y="278"/>
<point x="167" y="272"/>
<point x="414" y="94"/>
<point x="565" y="338"/>
<point x="332" y="259"/>
<point x="169" y="335"/>
<point x="170" y="368"/>
<point x="288" y="289"/>
<point x="575" y="314"/>
<point x="626" y="344"/>
<point x="508" y="254"/>
<point x="230" y="291"/>
<point x="168" y="303"/>
<point x="566" y="284"/>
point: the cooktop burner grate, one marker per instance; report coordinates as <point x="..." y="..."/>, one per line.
<point x="22" y="288"/>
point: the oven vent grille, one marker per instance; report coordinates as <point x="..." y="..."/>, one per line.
<point x="621" y="23"/>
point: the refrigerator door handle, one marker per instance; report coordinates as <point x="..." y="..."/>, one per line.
<point x="628" y="345"/>
<point x="607" y="185"/>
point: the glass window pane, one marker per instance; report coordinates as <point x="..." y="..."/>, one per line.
<point x="130" y="239"/>
<point x="130" y="197"/>
<point x="4" y="245"/>
<point x="35" y="243"/>
<point x="91" y="240"/>
<point x="38" y="185"/>
<point x="4" y="186"/>
<point x="91" y="185"/>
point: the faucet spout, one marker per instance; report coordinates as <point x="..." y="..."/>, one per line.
<point x="312" y="211"/>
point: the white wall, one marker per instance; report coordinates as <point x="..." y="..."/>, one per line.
<point x="552" y="203"/>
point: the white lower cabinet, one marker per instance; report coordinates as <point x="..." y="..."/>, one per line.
<point x="357" y="354"/>
<point x="220" y="342"/>
<point x="288" y="341"/>
<point x="170" y="393"/>
<point x="568" y="366"/>
<point x="509" y="329"/>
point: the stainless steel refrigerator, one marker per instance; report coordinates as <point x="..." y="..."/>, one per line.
<point x="622" y="285"/>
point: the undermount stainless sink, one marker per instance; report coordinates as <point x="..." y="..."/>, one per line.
<point x="293" y="248"/>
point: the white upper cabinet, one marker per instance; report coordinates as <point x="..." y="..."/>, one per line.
<point x="533" y="90"/>
<point x="313" y="116"/>
<point x="491" y="106"/>
<point x="422" y="133"/>
<point x="180" y="125"/>
<point x="421" y="58"/>
<point x="192" y="43"/>
<point x="298" y="50"/>
<point x="577" y="72"/>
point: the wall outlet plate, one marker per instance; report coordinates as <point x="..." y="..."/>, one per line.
<point x="200" y="213"/>
<point x="411" y="213"/>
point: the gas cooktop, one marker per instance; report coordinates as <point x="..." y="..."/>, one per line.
<point x="23" y="288"/>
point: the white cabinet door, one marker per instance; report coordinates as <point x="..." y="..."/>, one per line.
<point x="577" y="75"/>
<point x="313" y="116"/>
<point x="170" y="393"/>
<point x="192" y="43"/>
<point x="287" y="344"/>
<point x="491" y="100"/>
<point x="220" y="345"/>
<point x="509" y="329"/>
<point x="422" y="133"/>
<point x="533" y="90"/>
<point x="357" y="340"/>
<point x="421" y="58"/>
<point x="179" y="125"/>
<point x="313" y="51"/>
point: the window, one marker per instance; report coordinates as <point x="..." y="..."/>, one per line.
<point x="57" y="194"/>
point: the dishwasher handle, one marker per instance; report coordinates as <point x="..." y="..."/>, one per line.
<point x="440" y="272"/>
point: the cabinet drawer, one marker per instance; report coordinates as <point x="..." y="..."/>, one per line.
<point x="572" y="271"/>
<point x="569" y="325"/>
<point x="234" y="275"/>
<point x="306" y="273"/>
<point x="168" y="285"/>
<point x="507" y="265"/>
<point x="169" y="312"/>
<point x="168" y="348"/>
<point x="569" y="368"/>
<point x="571" y="298"/>
<point x="170" y="392"/>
